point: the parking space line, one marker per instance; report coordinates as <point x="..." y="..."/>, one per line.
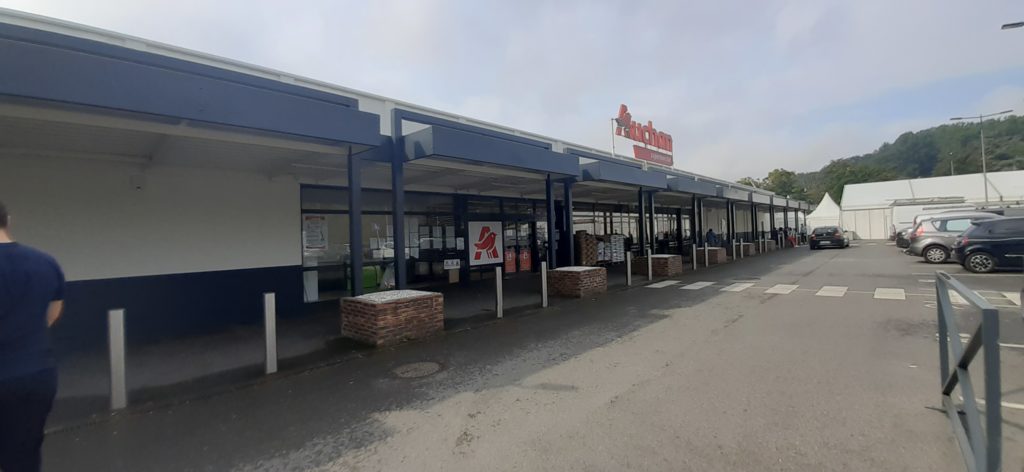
<point x="832" y="291"/>
<point x="739" y="287"/>
<point x="663" y="284"/>
<point x="890" y="294"/>
<point x="782" y="289"/>
<point x="926" y="281"/>
<point x="1013" y="297"/>
<point x="696" y="285"/>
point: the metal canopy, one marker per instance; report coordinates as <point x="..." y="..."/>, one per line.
<point x="733" y="194"/>
<point x="103" y="75"/>
<point x="603" y="171"/>
<point x="692" y="185"/>
<point x="760" y="198"/>
<point x="442" y="142"/>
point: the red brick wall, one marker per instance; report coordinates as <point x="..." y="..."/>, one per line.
<point x="716" y="255"/>
<point x="577" y="284"/>
<point x="660" y="266"/>
<point x="392" y="322"/>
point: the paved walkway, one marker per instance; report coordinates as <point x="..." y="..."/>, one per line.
<point x="646" y="379"/>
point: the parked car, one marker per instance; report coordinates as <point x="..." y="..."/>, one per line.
<point x="828" y="236"/>
<point x="903" y="237"/>
<point x="991" y="245"/>
<point x="933" y="238"/>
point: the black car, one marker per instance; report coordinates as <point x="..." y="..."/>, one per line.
<point x="991" y="244"/>
<point x="828" y="236"/>
<point x="903" y="237"/>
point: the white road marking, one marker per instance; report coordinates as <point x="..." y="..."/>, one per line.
<point x="890" y="294"/>
<point x="831" y="291"/>
<point x="782" y="289"/>
<point x="967" y="337"/>
<point x="926" y="281"/>
<point x="1013" y="297"/>
<point x="956" y="298"/>
<point x="696" y="285"/>
<point x="1012" y="406"/>
<point x="890" y="244"/>
<point x="737" y="287"/>
<point x="663" y="284"/>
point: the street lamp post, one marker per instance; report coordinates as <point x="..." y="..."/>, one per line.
<point x="981" y="125"/>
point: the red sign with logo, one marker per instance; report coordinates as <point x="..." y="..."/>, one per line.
<point x="525" y="261"/>
<point x="648" y="143"/>
<point x="510" y="260"/>
<point x="485" y="246"/>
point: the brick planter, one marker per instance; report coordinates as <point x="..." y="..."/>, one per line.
<point x="386" y="318"/>
<point x="577" y="281"/>
<point x="662" y="265"/>
<point x="716" y="255"/>
<point x="748" y="249"/>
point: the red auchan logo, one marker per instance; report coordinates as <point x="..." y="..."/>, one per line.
<point x="627" y="128"/>
<point x="485" y="244"/>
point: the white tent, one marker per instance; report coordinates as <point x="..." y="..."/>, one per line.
<point x="827" y="214"/>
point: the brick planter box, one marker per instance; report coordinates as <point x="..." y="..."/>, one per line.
<point x="748" y="249"/>
<point x="386" y="318"/>
<point x="716" y="255"/>
<point x="577" y="281"/>
<point x="662" y="265"/>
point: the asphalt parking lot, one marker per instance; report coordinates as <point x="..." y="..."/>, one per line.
<point x="794" y="360"/>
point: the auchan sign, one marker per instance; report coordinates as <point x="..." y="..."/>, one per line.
<point x="647" y="143"/>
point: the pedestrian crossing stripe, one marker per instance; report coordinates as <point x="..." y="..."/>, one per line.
<point x="782" y="289"/>
<point x="1013" y="297"/>
<point x="890" y="294"/>
<point x="832" y="291"/>
<point x="663" y="284"/>
<point x="738" y="287"/>
<point x="696" y="285"/>
<point x="955" y="297"/>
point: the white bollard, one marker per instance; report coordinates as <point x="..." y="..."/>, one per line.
<point x="650" y="268"/>
<point x="544" y="284"/>
<point x="705" y="255"/>
<point x="115" y="342"/>
<point x="629" y="268"/>
<point x="693" y="256"/>
<point x="741" y="248"/>
<point x="499" y="305"/>
<point x="270" y="333"/>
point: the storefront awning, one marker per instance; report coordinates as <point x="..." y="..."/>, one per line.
<point x="57" y="68"/>
<point x="692" y="185"/>
<point x="439" y="141"/>
<point x="733" y="194"/>
<point x="603" y="171"/>
<point x="760" y="198"/>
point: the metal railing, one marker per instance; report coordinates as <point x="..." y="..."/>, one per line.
<point x="982" y="448"/>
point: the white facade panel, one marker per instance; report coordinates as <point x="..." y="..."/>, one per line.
<point x="91" y="217"/>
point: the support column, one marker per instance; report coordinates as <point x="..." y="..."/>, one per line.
<point x="567" y="204"/>
<point x="694" y="232"/>
<point x="641" y="240"/>
<point x="652" y="240"/>
<point x="679" y="231"/>
<point x="398" y="212"/>
<point x="355" y="223"/>
<point x="549" y="194"/>
<point x="728" y="234"/>
<point x="754" y="233"/>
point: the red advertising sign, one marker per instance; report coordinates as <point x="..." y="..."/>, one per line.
<point x="525" y="261"/>
<point x="646" y="142"/>
<point x="510" y="260"/>
<point x="484" y="248"/>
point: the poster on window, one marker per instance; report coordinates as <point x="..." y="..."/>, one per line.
<point x="485" y="241"/>
<point x="314" y="232"/>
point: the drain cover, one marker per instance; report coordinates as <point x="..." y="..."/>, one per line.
<point x="417" y="369"/>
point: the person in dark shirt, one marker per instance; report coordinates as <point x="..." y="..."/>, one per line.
<point x="31" y="300"/>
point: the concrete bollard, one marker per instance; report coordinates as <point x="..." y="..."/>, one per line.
<point x="650" y="267"/>
<point x="693" y="256"/>
<point x="499" y="303"/>
<point x="705" y="255"/>
<point x="741" y="248"/>
<point x="115" y="343"/>
<point x="544" y="284"/>
<point x="270" y="333"/>
<point x="629" y="268"/>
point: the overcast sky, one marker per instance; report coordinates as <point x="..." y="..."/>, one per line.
<point x="743" y="87"/>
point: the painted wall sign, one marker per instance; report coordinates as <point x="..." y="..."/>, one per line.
<point x="485" y="241"/>
<point x="314" y="232"/>
<point x="644" y="141"/>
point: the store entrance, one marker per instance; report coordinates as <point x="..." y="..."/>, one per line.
<point x="520" y="246"/>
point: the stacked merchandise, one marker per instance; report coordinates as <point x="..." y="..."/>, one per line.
<point x="618" y="248"/>
<point x="603" y="254"/>
<point x="586" y="249"/>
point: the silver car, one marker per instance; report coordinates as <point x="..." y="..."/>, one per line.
<point x="933" y="237"/>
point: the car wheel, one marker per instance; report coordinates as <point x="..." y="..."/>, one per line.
<point x="936" y="254"/>
<point x="980" y="263"/>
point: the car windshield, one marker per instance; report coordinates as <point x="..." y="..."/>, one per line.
<point x="826" y="231"/>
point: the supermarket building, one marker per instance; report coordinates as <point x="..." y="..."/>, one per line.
<point x="181" y="186"/>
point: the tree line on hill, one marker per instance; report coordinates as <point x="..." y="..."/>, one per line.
<point x="950" y="149"/>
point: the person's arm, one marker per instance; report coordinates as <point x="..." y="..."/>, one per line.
<point x="53" y="312"/>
